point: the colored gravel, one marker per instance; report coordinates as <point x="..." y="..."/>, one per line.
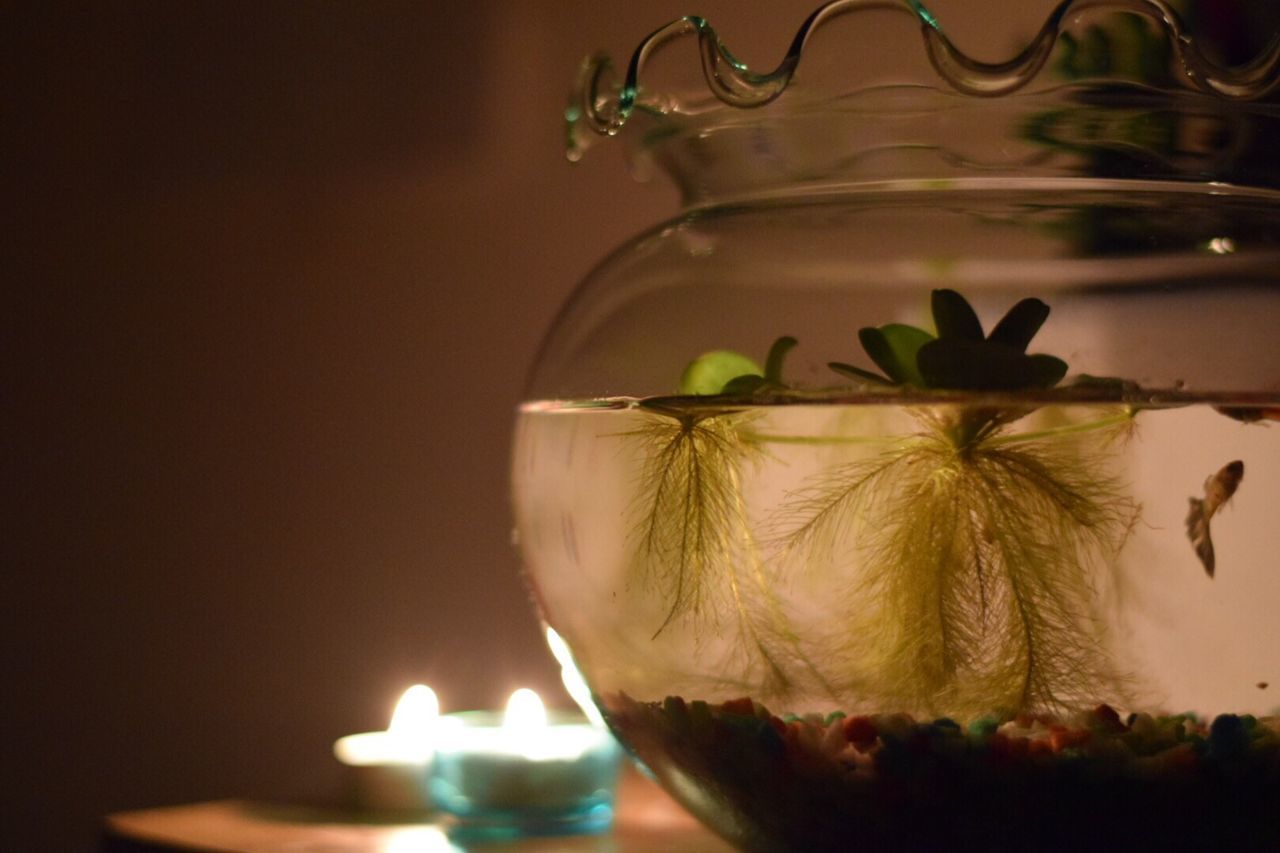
<point x="1096" y="780"/>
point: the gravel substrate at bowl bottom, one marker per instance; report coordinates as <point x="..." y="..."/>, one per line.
<point x="1096" y="780"/>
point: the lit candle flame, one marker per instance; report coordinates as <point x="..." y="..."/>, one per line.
<point x="524" y="725"/>
<point x="409" y="739"/>
<point x="415" y="722"/>
<point x="416" y="712"/>
<point x="525" y="714"/>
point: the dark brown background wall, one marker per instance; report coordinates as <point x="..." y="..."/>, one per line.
<point x="273" y="274"/>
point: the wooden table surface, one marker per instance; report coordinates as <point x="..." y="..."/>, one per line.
<point x="647" y="821"/>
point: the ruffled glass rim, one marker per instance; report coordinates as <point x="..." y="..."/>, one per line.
<point x="600" y="106"/>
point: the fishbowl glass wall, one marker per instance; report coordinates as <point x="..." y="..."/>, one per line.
<point x="913" y="486"/>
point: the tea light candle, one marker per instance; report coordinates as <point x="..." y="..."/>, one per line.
<point x="387" y="771"/>
<point x="525" y="774"/>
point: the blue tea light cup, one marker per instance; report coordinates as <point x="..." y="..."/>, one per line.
<point x="501" y="778"/>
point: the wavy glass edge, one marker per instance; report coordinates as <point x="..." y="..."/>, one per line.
<point x="600" y="107"/>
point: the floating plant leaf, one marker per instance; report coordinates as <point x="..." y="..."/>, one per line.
<point x="1047" y="370"/>
<point x="711" y="371"/>
<point x="734" y="374"/>
<point x="959" y="358"/>
<point x="1020" y="324"/>
<point x="743" y="386"/>
<point x="893" y="348"/>
<point x="777" y="355"/>
<point x="962" y="360"/>
<point x="854" y="372"/>
<point x="954" y="317"/>
<point x="963" y="365"/>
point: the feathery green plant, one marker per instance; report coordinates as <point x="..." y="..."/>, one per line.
<point x="977" y="588"/>
<point x="979" y="547"/>
<point x="693" y="538"/>
<point x="689" y="528"/>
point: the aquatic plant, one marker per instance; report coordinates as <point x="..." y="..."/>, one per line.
<point x="978" y="546"/>
<point x="693" y="540"/>
<point x="976" y="590"/>
<point x="690" y="527"/>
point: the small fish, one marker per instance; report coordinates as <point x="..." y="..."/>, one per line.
<point x="1218" y="489"/>
<point x="1250" y="414"/>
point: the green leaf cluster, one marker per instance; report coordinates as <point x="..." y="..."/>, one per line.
<point x="732" y="373"/>
<point x="960" y="357"/>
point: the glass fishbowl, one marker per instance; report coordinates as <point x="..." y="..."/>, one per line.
<point x="915" y="486"/>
